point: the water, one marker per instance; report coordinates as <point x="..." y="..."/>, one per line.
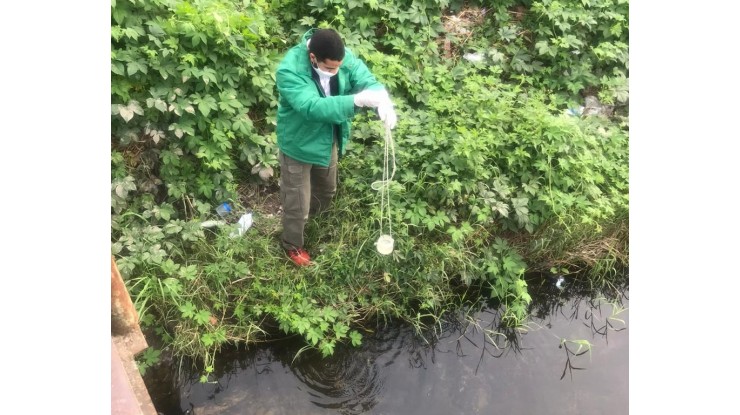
<point x="546" y="369"/>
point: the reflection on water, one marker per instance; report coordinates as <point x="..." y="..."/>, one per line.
<point x="572" y="358"/>
<point x="347" y="383"/>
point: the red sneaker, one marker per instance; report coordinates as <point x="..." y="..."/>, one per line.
<point x="299" y="257"/>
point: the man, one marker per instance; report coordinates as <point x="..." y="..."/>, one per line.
<point x="321" y="83"/>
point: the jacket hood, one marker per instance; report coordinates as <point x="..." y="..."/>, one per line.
<point x="307" y="36"/>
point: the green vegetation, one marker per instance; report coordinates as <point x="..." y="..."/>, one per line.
<point x="493" y="179"/>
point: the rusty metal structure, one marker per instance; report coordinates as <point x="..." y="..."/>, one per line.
<point x="129" y="395"/>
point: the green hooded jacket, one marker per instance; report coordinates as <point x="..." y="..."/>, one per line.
<point x="306" y="116"/>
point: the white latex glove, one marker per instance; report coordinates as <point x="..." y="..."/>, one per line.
<point x="387" y="114"/>
<point x="371" y="98"/>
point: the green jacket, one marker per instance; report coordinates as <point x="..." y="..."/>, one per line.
<point x="306" y="116"/>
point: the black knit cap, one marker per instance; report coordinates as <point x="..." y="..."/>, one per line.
<point x="326" y="44"/>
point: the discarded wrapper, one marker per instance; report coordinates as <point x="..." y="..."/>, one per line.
<point x="245" y="222"/>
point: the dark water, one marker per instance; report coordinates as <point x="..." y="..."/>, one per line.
<point x="468" y="369"/>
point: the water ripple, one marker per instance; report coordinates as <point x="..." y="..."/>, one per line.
<point x="347" y="382"/>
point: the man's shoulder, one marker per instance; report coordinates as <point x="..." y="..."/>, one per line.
<point x="350" y="58"/>
<point x="291" y="57"/>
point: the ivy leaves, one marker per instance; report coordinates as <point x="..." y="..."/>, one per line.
<point x="180" y="70"/>
<point x="205" y="104"/>
<point x="127" y="111"/>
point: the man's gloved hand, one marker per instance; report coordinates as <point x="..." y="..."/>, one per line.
<point x="371" y="98"/>
<point x="387" y="114"/>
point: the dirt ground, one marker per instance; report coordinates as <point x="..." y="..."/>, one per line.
<point x="262" y="198"/>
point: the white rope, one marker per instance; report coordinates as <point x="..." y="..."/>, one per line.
<point x="389" y="158"/>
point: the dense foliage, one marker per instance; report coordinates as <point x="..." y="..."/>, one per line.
<point x="493" y="178"/>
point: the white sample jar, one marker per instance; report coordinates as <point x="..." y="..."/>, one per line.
<point x="384" y="245"/>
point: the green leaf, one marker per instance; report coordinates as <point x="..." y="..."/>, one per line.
<point x="512" y="265"/>
<point x="173" y="286"/>
<point x="501" y="207"/>
<point x="133" y="32"/>
<point x="313" y="336"/>
<point x="507" y="33"/>
<point x="165" y="212"/>
<point x="500" y="245"/>
<point x="302" y="325"/>
<point x="155" y="29"/>
<point x="340" y="330"/>
<point x="202" y="317"/>
<point x="356" y="338"/>
<point x="207" y="339"/>
<point x="543" y="48"/>
<point x="119" y="14"/>
<point x="327" y="348"/>
<point x="188" y="310"/>
<point x="157" y="103"/>
<point x="136" y="107"/>
<point x="209" y="75"/>
<point x="189" y="272"/>
<point x="118" y="68"/>
<point x="137" y="66"/>
<point x="207" y="104"/>
<point x="126" y="113"/>
<point x="169" y="267"/>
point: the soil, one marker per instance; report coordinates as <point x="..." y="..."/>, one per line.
<point x="260" y="197"/>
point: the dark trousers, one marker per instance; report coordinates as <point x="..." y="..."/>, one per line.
<point x="304" y="189"/>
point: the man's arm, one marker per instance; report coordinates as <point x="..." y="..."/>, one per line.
<point x="305" y="99"/>
<point x="361" y="78"/>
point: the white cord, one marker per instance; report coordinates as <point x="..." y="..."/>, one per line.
<point x="384" y="185"/>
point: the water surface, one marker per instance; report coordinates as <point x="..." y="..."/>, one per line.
<point x="469" y="369"/>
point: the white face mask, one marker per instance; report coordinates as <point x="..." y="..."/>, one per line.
<point x="323" y="74"/>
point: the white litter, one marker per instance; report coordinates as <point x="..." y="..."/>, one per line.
<point x="245" y="222"/>
<point x="473" y="57"/>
